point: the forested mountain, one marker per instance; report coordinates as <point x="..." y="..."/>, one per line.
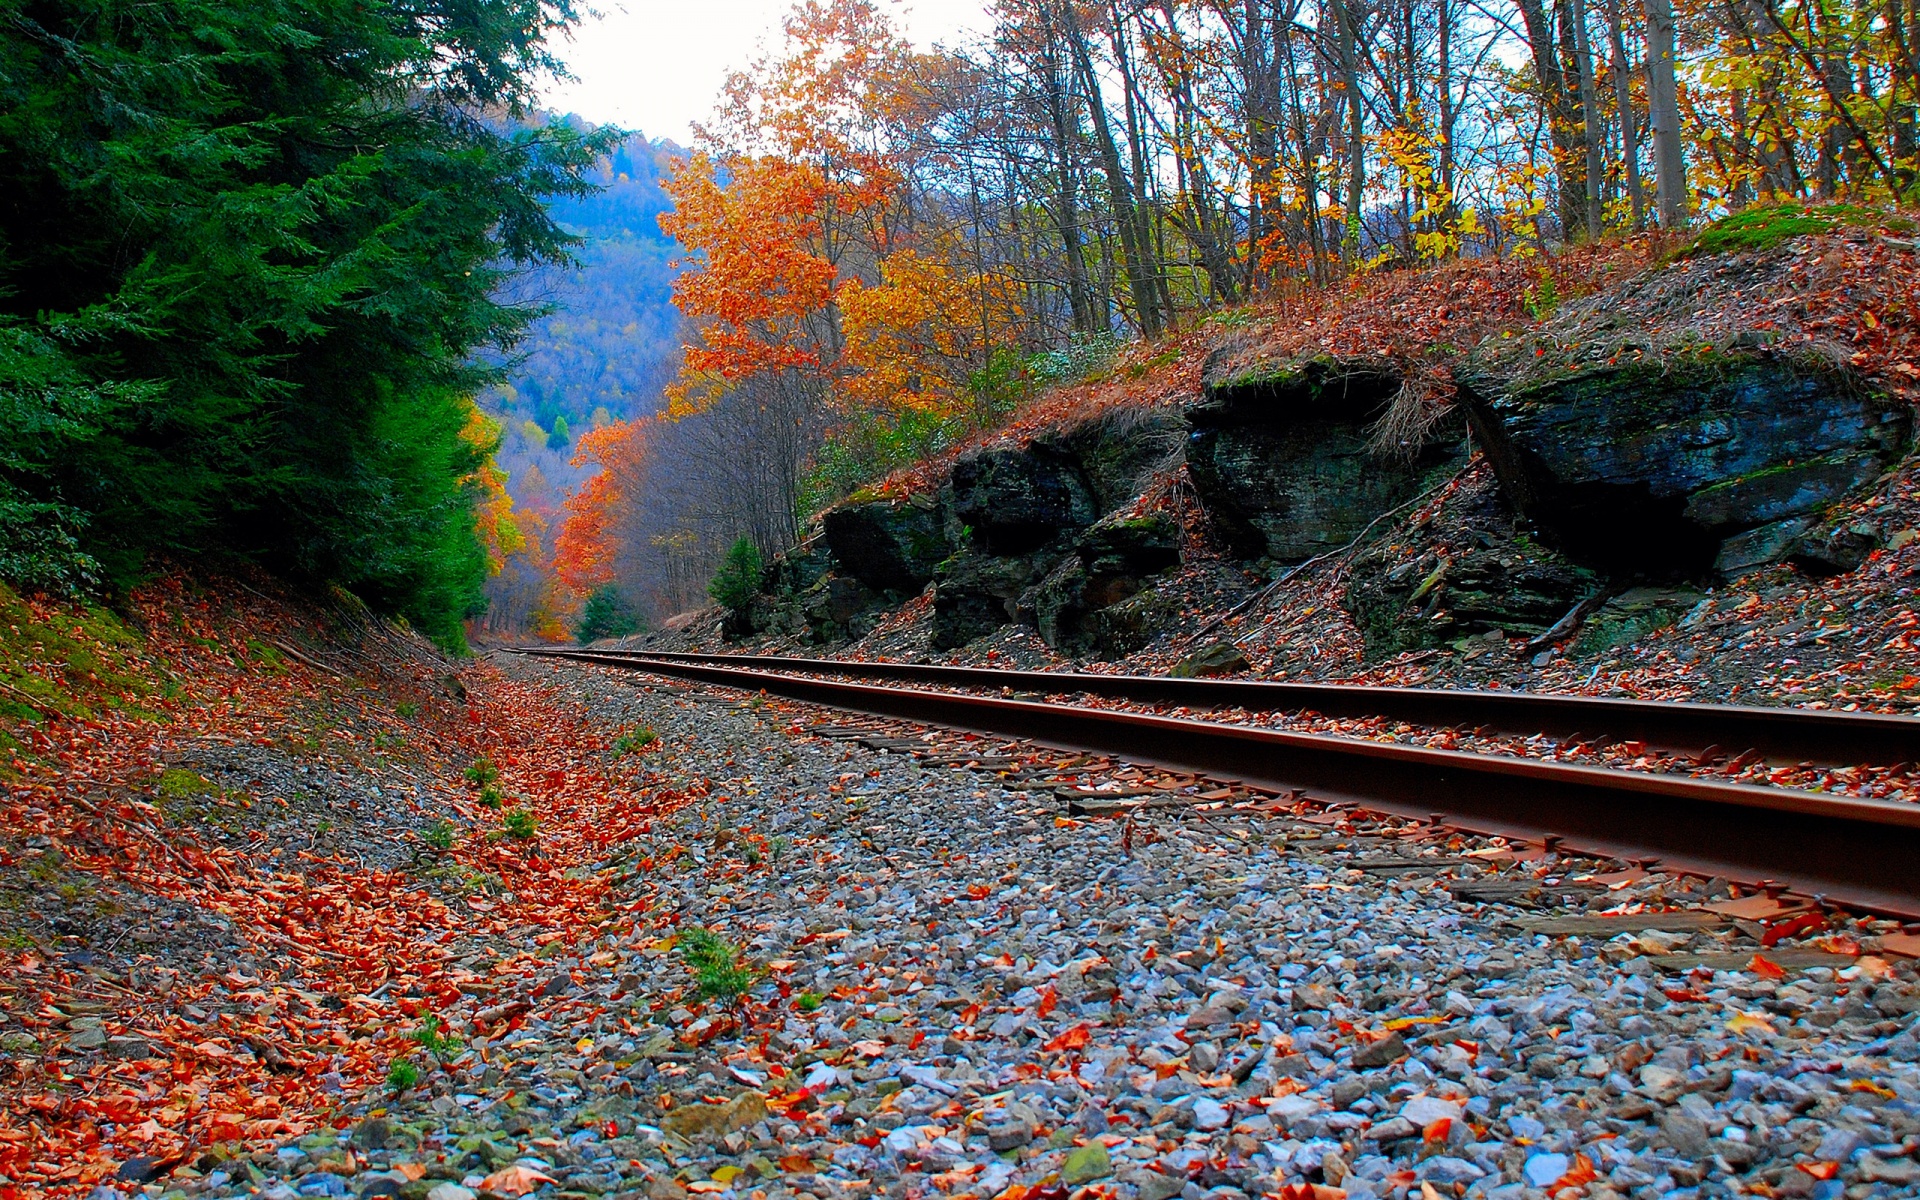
<point x="613" y="339"/>
<point x="603" y="353"/>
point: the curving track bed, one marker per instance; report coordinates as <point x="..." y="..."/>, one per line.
<point x="1863" y="853"/>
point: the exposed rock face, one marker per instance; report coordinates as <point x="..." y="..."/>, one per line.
<point x="1017" y="500"/>
<point x="1111" y="563"/>
<point x="1468" y="571"/>
<point x="977" y="594"/>
<point x="1116" y="453"/>
<point x="890" y="546"/>
<point x="1689" y="463"/>
<point x="1280" y="459"/>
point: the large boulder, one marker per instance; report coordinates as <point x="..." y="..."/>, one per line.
<point x="1686" y="461"/>
<point x="1466" y="571"/>
<point x="888" y="545"/>
<point x="1018" y="500"/>
<point x="976" y="594"/>
<point x="1280" y="456"/>
<point x="1111" y="563"/>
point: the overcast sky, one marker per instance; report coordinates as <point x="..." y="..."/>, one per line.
<point x="655" y="66"/>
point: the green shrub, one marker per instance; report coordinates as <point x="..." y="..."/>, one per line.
<point x="718" y="971"/>
<point x="606" y="614"/>
<point x="402" y="1075"/>
<point x="635" y="740"/>
<point x="737" y="582"/>
<point x="519" y="824"/>
<point x="482" y="772"/>
<point x="435" y="1040"/>
<point x="490" y="796"/>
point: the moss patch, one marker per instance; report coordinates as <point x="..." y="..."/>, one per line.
<point x="66" y="662"/>
<point x="1765" y="226"/>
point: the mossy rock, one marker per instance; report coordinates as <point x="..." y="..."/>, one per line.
<point x="1764" y="226"/>
<point x="978" y="593"/>
<point x="888" y="545"/>
<point x="1284" y="461"/>
<point x="1646" y="468"/>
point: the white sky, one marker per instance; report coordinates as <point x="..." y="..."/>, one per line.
<point x="655" y="66"/>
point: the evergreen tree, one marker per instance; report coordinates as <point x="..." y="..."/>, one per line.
<point x="606" y="614"/>
<point x="247" y="253"/>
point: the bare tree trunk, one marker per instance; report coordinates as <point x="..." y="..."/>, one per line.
<point x="1146" y="300"/>
<point x="1591" y="131"/>
<point x="1663" y="114"/>
<point x="1444" y="85"/>
<point x="1066" y="191"/>
<point x="1349" y="66"/>
<point x="1557" y="107"/>
<point x="1629" y="126"/>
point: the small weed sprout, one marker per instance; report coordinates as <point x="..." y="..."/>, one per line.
<point x="753" y="855"/>
<point x="635" y="740"/>
<point x="519" y="824"/>
<point x="717" y="967"/>
<point x="482" y="772"/>
<point x="808" y="1002"/>
<point x="777" y="847"/>
<point x="490" y="796"/>
<point x="439" y="835"/>
<point x="401" y="1076"/>
<point x="406" y="710"/>
<point x="434" y="1039"/>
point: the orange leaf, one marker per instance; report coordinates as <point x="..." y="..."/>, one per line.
<point x="1070" y="1039"/>
<point x="515" y="1180"/>
<point x="1766" y="968"/>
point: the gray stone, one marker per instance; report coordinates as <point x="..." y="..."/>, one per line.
<point x="1378" y="1054"/>
<point x="888" y="545"/>
<point x="1281" y="458"/>
<point x="1152" y="1185"/>
<point x="1684" y="1133"/>
<point x="1016" y="500"/>
<point x="1009" y="1135"/>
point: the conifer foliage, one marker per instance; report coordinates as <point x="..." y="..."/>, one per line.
<point x="247" y="251"/>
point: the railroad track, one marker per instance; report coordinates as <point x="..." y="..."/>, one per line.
<point x="1860" y="853"/>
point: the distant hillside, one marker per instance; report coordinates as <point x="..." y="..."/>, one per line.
<point x="614" y="338"/>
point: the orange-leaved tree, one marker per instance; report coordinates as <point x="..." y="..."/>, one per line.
<point x="588" y="547"/>
<point x="791" y="198"/>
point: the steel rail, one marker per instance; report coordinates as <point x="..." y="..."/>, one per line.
<point x="1780" y="734"/>
<point x="1862" y="853"/>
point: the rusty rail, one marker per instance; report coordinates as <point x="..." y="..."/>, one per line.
<point x="1862" y="853"/>
<point x="1780" y="734"/>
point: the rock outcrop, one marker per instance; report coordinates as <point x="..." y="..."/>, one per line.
<point x="888" y="545"/>
<point x="1078" y="607"/>
<point x="1016" y="500"/>
<point x="1467" y="571"/>
<point x="1688" y="462"/>
<point x="976" y="594"/>
<point x="1280" y="456"/>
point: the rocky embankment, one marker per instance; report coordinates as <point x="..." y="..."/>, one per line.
<point x="1563" y="490"/>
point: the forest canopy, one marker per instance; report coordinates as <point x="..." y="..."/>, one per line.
<point x="249" y="253"/>
<point x="889" y="249"/>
